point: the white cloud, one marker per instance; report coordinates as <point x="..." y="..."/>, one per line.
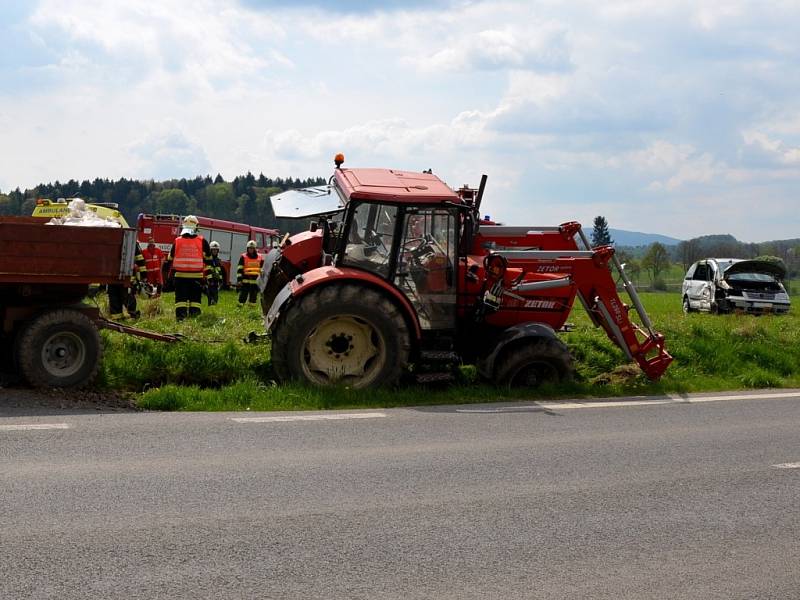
<point x="384" y="138"/>
<point x="626" y="106"/>
<point x="168" y="153"/>
<point x="772" y="151"/>
<point x="696" y="169"/>
<point x="198" y="42"/>
<point x="530" y="48"/>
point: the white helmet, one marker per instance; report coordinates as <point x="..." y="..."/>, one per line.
<point x="214" y="245"/>
<point x="251" y="244"/>
<point x="189" y="224"/>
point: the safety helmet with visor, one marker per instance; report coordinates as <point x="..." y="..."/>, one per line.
<point x="251" y="244"/>
<point x="214" y="245"/>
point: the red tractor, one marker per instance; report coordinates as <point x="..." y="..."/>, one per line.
<point x="399" y="274"/>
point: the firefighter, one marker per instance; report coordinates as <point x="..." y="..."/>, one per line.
<point x="154" y="257"/>
<point x="189" y="257"/>
<point x="121" y="296"/>
<point x="247" y="273"/>
<point x="215" y="276"/>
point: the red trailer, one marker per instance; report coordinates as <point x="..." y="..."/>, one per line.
<point x="231" y="236"/>
<point x="50" y="337"/>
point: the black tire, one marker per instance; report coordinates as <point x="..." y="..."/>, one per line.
<point x="311" y="324"/>
<point x="686" y="306"/>
<point x="537" y="362"/>
<point x="60" y="348"/>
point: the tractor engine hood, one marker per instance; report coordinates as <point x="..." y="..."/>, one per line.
<point x="756" y="266"/>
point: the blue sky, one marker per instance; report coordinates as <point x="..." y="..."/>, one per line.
<point x="680" y="118"/>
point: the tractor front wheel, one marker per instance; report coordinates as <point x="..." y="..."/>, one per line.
<point x="341" y="334"/>
<point x="538" y="362"/>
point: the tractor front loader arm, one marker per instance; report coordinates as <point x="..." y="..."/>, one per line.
<point x="552" y="259"/>
<point x="598" y="292"/>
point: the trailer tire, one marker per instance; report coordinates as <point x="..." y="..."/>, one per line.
<point x="534" y="363"/>
<point x="331" y="333"/>
<point x="59" y="348"/>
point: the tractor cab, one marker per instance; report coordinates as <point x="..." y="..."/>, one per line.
<point x="410" y="245"/>
<point x="403" y="227"/>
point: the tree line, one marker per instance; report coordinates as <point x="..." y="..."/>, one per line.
<point x="244" y="199"/>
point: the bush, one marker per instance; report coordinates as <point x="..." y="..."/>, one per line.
<point x="660" y="285"/>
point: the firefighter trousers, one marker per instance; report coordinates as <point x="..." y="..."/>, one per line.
<point x="188" y="297"/>
<point x="248" y="292"/>
<point x="212" y="293"/>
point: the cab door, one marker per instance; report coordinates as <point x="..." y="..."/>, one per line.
<point x="426" y="265"/>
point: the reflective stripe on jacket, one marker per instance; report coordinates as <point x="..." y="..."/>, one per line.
<point x="215" y="270"/>
<point x="250" y="266"/>
<point x="188" y="255"/>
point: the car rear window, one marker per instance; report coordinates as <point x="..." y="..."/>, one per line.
<point x="750" y="277"/>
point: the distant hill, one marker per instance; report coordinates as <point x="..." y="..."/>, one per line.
<point x="622" y="237"/>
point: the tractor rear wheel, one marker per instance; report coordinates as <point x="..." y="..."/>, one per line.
<point x="538" y="362"/>
<point x="60" y="348"/>
<point x="341" y="334"/>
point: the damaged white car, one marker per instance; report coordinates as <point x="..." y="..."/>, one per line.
<point x="724" y="285"/>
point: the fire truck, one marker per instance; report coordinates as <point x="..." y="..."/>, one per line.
<point x="232" y="237"/>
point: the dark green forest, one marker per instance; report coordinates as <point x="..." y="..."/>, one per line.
<point x="245" y="199"/>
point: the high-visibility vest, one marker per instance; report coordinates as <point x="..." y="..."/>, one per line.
<point x="252" y="266"/>
<point x="188" y="256"/>
<point x="153" y="258"/>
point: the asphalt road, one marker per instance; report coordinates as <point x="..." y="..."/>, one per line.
<point x="681" y="499"/>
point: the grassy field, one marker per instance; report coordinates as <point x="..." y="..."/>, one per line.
<point x="213" y="369"/>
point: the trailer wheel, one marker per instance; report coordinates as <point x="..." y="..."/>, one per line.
<point x="341" y="334"/>
<point x="60" y="348"/>
<point x="538" y="362"/>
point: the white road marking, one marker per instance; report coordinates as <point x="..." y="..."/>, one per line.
<point x="672" y="399"/>
<point x="32" y="426"/>
<point x="787" y="466"/>
<point x="287" y="418"/>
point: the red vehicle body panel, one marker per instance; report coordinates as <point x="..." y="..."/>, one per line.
<point x="304" y="249"/>
<point x="32" y="252"/>
<point x="322" y="275"/>
<point x="394" y="186"/>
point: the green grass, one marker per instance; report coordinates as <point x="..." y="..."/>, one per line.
<point x="213" y="369"/>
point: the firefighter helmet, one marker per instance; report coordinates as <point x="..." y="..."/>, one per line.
<point x="214" y="245"/>
<point x="251" y="244"/>
<point x="189" y="224"/>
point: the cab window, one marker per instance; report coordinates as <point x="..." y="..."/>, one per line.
<point x="370" y="238"/>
